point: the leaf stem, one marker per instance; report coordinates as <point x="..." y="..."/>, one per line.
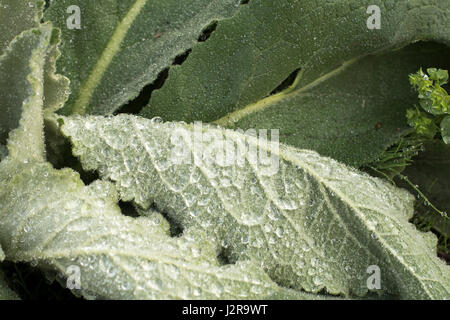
<point x="421" y="194"/>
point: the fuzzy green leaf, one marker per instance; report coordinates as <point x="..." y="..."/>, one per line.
<point x="312" y="224"/>
<point x="118" y="257"/>
<point x="341" y="95"/>
<point x="27" y="68"/>
<point x="22" y="93"/>
<point x="49" y="218"/>
<point x="18" y="16"/>
<point x="123" y="45"/>
<point x="56" y="86"/>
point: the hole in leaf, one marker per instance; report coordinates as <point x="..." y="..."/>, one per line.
<point x="176" y="229"/>
<point x="224" y="256"/>
<point x="128" y="209"/>
<point x="181" y="58"/>
<point x="59" y="154"/>
<point x="289" y="81"/>
<point x="135" y="106"/>
<point x="206" y="33"/>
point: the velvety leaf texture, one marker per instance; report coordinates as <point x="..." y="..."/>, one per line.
<point x="184" y="210"/>
<point x="17" y="16"/>
<point x="118" y="257"/>
<point x="50" y="219"/>
<point x="22" y="73"/>
<point x="122" y="46"/>
<point x="229" y="78"/>
<point x="56" y="86"/>
<point x="312" y="223"/>
<point x="27" y="69"/>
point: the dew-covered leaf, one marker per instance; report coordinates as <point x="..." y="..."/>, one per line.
<point x="56" y="86"/>
<point x="309" y="221"/>
<point x="51" y="220"/>
<point x="22" y="93"/>
<point x="17" y="16"/>
<point x="122" y="45"/>
<point x="348" y="101"/>
<point x="27" y="74"/>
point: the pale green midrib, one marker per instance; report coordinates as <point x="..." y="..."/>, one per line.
<point x="286" y="154"/>
<point x="263" y="104"/>
<point x="346" y="200"/>
<point x="111" y="50"/>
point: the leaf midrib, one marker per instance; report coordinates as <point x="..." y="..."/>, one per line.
<point x="267" y="102"/>
<point x="107" y="57"/>
<point x="361" y="218"/>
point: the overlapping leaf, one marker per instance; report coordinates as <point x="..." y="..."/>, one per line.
<point x="73" y="228"/>
<point x="51" y="219"/>
<point x="22" y="82"/>
<point x="341" y="98"/>
<point x="312" y="224"/>
<point x="16" y="17"/>
<point x="123" y="45"/>
<point x="19" y="92"/>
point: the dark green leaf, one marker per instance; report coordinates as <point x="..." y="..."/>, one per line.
<point x="342" y="97"/>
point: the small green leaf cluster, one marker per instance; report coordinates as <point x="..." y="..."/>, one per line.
<point x="434" y="117"/>
<point x="434" y="100"/>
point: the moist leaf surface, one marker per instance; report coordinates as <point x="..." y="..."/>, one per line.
<point x="312" y="224"/>
<point x="51" y="219"/>
<point x="123" y="45"/>
<point x="229" y="78"/>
